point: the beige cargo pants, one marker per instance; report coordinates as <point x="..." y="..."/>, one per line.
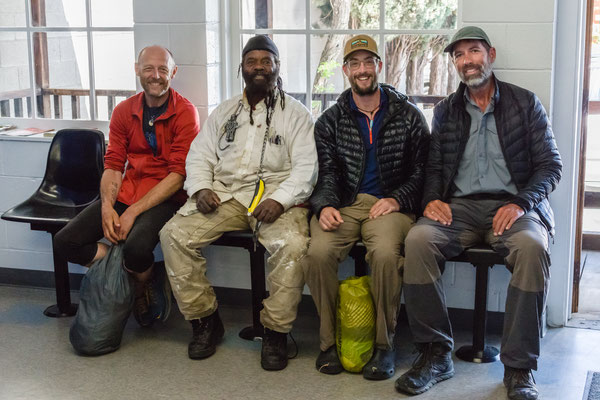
<point x="384" y="239"/>
<point x="286" y="240"/>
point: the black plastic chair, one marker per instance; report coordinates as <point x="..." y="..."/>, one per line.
<point x="71" y="182"/>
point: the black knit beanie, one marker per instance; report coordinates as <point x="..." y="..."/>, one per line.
<point x="260" y="42"/>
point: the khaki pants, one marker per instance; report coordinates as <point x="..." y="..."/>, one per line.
<point x="286" y="240"/>
<point x="384" y="239"/>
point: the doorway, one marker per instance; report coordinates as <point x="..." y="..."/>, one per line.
<point x="586" y="282"/>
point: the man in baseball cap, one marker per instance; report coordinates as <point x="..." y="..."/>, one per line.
<point x="492" y="163"/>
<point x="360" y="42"/>
<point x="372" y="147"/>
<point x="468" y="33"/>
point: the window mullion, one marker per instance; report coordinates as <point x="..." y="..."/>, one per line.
<point x="307" y="58"/>
<point x="235" y="50"/>
<point x="90" y="43"/>
<point x="32" y="110"/>
<point x="382" y="37"/>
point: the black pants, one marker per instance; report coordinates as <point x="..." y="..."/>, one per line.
<point x="78" y="240"/>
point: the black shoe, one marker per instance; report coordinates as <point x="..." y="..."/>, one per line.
<point x="207" y="332"/>
<point x="141" y="305"/>
<point x="520" y="384"/>
<point x="273" y="355"/>
<point x="159" y="294"/>
<point x="328" y="361"/>
<point x="433" y="365"/>
<point x="381" y="366"/>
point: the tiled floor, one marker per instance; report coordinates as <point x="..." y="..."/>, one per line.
<point x="37" y="362"/>
<point x="588" y="315"/>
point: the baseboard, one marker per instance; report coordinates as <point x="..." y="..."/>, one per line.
<point x="460" y="318"/>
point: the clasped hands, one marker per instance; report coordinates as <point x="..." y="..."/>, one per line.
<point x="267" y="211"/>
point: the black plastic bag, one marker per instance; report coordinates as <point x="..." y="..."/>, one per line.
<point x="106" y="300"/>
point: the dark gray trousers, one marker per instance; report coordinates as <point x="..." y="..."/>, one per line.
<point x="525" y="249"/>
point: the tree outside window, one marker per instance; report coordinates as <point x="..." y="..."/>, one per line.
<point x="411" y="36"/>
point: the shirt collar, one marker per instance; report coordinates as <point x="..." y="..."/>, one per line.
<point x="493" y="100"/>
<point x="260" y="106"/>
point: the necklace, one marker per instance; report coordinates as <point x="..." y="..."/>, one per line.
<point x="370" y="112"/>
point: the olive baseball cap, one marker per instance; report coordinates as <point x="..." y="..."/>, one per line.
<point x="360" y="42"/>
<point x="468" y="33"/>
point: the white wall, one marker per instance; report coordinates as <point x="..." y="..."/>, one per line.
<point x="528" y="55"/>
<point x="190" y="29"/>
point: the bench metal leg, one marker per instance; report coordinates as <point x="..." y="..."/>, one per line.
<point x="259" y="293"/>
<point x="479" y="352"/>
<point x="63" y="306"/>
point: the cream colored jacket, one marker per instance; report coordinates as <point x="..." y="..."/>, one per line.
<point x="230" y="168"/>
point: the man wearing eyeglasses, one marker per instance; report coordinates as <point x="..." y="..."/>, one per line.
<point x="259" y="140"/>
<point x="372" y="148"/>
<point x="492" y="163"/>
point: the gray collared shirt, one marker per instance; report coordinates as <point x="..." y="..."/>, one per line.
<point x="482" y="168"/>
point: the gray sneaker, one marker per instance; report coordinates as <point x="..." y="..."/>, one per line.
<point x="520" y="384"/>
<point x="433" y="365"/>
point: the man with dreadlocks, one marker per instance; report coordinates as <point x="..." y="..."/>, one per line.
<point x="261" y="139"/>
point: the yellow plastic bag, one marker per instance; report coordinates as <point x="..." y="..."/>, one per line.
<point x="355" y="327"/>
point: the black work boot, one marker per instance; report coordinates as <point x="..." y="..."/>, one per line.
<point x="520" y="384"/>
<point x="328" y="361"/>
<point x="433" y="365"/>
<point x="381" y="365"/>
<point x="273" y="355"/>
<point x="207" y="332"/>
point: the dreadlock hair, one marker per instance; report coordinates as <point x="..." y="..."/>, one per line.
<point x="270" y="99"/>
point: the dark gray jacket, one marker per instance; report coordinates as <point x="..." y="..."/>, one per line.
<point x="402" y="144"/>
<point x="526" y="140"/>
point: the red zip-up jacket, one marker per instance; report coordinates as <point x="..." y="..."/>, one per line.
<point x="127" y="145"/>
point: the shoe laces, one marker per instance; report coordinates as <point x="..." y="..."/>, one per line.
<point x="423" y="358"/>
<point x="295" y="347"/>
<point x="200" y="327"/>
<point x="142" y="301"/>
<point x="522" y="376"/>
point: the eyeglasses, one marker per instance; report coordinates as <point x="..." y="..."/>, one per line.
<point x="369" y="63"/>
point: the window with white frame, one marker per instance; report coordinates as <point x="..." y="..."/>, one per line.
<point x="310" y="35"/>
<point x="65" y="59"/>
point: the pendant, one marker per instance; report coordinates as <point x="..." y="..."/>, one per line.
<point x="230" y="127"/>
<point x="151" y="122"/>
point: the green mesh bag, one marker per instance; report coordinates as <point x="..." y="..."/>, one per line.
<point x="355" y="327"/>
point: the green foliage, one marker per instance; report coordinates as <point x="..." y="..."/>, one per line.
<point x="400" y="14"/>
<point x="365" y="14"/>
<point x="421" y="14"/>
<point x="326" y="69"/>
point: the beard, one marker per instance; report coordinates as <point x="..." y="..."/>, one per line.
<point x="153" y="90"/>
<point x="261" y="86"/>
<point x="364" y="91"/>
<point x="479" y="80"/>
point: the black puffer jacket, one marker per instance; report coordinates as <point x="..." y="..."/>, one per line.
<point x="402" y="144"/>
<point x="526" y="140"/>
